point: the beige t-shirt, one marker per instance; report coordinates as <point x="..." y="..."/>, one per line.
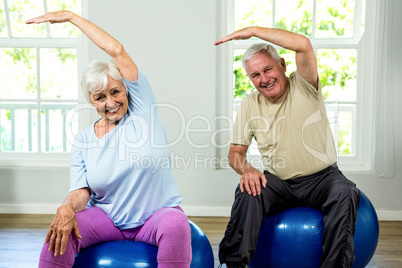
<point x="293" y="134"/>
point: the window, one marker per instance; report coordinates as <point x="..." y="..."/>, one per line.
<point x="336" y="31"/>
<point x="39" y="65"/>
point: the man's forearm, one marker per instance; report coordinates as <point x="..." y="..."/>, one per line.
<point x="239" y="163"/>
<point x="306" y="61"/>
<point x="283" y="38"/>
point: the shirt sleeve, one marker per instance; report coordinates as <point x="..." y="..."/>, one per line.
<point x="141" y="97"/>
<point x="242" y="133"/>
<point x="306" y="86"/>
<point x="78" y="171"/>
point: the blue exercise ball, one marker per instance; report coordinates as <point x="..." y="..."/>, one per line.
<point x="133" y="254"/>
<point x="293" y="238"/>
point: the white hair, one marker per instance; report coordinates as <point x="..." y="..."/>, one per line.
<point x="257" y="48"/>
<point x="95" y="77"/>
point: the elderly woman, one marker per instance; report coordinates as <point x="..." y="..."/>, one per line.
<point x="109" y="199"/>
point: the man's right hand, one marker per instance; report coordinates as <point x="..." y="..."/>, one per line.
<point x="251" y="181"/>
<point x="62" y="225"/>
<point x="242" y="34"/>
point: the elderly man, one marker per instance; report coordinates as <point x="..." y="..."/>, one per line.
<point x="287" y="118"/>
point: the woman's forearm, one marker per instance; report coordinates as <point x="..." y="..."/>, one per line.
<point x="101" y="38"/>
<point x="78" y="199"/>
<point x="107" y="43"/>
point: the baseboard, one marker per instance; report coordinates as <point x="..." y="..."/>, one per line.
<point x="383" y="215"/>
<point x="389" y="215"/>
<point x="206" y="211"/>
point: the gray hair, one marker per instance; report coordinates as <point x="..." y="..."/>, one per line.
<point x="257" y="48"/>
<point x="95" y="77"/>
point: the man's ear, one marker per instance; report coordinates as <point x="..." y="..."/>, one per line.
<point x="283" y="64"/>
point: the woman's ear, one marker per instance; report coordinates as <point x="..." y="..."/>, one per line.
<point x="90" y="98"/>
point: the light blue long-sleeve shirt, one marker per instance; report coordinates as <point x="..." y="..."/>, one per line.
<point x="128" y="170"/>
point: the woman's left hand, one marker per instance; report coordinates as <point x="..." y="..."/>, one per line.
<point x="52" y="17"/>
<point x="62" y="225"/>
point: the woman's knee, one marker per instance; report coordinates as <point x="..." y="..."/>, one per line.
<point x="174" y="239"/>
<point x="47" y="258"/>
<point x="176" y="224"/>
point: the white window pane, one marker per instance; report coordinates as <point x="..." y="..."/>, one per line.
<point x="290" y="59"/>
<point x="57" y="123"/>
<point x="5" y="130"/>
<point x="71" y="127"/>
<point x="22" y="10"/>
<point x="34" y="130"/>
<point x="242" y="86"/>
<point x="64" y="29"/>
<point x="253" y="13"/>
<point x="56" y="131"/>
<point x="253" y="148"/>
<point x="59" y="73"/>
<point x="18" y="73"/>
<point x="334" y="19"/>
<point x="236" y="106"/>
<point x="345" y="133"/>
<point x="294" y="15"/>
<point x="21" y="131"/>
<point x="3" y="23"/>
<point x="44" y="130"/>
<point x="337" y="69"/>
<point x="24" y="127"/>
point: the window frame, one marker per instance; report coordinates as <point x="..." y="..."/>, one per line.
<point x="35" y="160"/>
<point x="361" y="161"/>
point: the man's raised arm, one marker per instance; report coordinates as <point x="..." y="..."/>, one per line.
<point x="306" y="61"/>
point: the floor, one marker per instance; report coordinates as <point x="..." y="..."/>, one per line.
<point x="21" y="238"/>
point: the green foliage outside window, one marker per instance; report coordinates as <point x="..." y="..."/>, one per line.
<point x="27" y="70"/>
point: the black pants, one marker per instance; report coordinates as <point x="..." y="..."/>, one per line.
<point x="328" y="191"/>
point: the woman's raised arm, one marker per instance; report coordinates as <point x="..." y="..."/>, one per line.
<point x="102" y="39"/>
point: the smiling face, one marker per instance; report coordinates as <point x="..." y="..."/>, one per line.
<point x="267" y="75"/>
<point x="111" y="103"/>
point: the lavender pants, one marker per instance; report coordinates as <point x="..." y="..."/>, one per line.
<point x="168" y="229"/>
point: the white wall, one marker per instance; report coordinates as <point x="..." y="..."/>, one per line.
<point x="385" y="194"/>
<point x="172" y="43"/>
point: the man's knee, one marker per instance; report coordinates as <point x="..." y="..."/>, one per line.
<point x="343" y="187"/>
<point x="343" y="193"/>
